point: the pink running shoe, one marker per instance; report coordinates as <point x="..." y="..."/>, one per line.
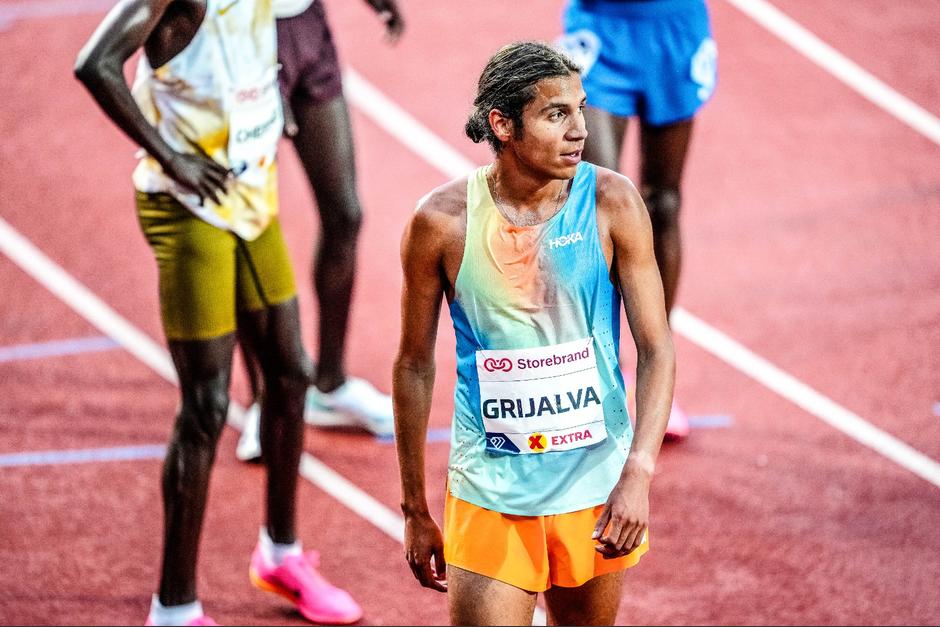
<point x="298" y="580"/>
<point x="678" y="426"/>
<point x="202" y="621"/>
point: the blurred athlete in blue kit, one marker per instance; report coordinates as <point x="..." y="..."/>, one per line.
<point x="655" y="60"/>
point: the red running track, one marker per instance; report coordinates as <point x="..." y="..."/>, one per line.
<point x="810" y="232"/>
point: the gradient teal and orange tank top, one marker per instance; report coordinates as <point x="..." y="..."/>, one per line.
<point x="540" y="421"/>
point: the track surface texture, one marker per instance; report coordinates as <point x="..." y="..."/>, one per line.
<point x="811" y="217"/>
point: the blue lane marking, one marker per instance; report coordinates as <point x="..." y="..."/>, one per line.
<point x="717" y="421"/>
<point x="82" y="456"/>
<point x="158" y="451"/>
<point x="439" y="435"/>
<point x="434" y="435"/>
<point x="936" y="409"/>
<point x="57" y="348"/>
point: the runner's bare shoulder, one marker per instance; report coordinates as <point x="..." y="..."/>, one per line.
<point x="436" y="232"/>
<point x="617" y="195"/>
<point x="442" y="211"/>
<point x="618" y="200"/>
<point x="177" y="27"/>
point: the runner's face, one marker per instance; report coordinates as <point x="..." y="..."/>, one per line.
<point x="553" y="127"/>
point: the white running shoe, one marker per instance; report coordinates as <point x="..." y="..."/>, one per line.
<point x="249" y="444"/>
<point x="356" y="403"/>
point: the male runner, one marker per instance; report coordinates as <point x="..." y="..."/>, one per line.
<point x="206" y="111"/>
<point x="548" y="485"/>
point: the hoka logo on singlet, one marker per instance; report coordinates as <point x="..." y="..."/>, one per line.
<point x="564" y="240"/>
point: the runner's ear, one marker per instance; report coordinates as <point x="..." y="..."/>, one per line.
<point x="501" y="125"/>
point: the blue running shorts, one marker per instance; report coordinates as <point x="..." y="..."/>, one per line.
<point x="655" y="59"/>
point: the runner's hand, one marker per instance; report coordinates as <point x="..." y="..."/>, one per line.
<point x="388" y="12"/>
<point x="199" y="174"/>
<point x="423" y="541"/>
<point x="623" y="522"/>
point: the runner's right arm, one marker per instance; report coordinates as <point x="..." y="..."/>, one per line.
<point x="100" y="67"/>
<point x="412" y="388"/>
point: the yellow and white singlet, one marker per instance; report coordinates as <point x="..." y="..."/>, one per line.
<point x="220" y="97"/>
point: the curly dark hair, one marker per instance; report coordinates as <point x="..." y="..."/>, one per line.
<point x="507" y="84"/>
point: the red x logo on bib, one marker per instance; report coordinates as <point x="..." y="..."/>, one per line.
<point x="537" y="442"/>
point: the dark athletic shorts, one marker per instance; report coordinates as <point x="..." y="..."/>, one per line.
<point x="310" y="71"/>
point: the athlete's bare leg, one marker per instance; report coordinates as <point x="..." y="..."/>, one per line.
<point x="204" y="369"/>
<point x="477" y="600"/>
<point x="663" y="150"/>
<point x="252" y="367"/>
<point x="594" y="603"/>
<point x="324" y="144"/>
<point x="604" y="143"/>
<point x="274" y="337"/>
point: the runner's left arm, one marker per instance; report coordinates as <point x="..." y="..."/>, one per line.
<point x="624" y="521"/>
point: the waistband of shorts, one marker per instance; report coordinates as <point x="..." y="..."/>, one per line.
<point x="636" y="9"/>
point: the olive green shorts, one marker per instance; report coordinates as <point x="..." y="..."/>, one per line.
<point x="208" y="274"/>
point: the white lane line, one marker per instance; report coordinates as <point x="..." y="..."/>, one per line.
<point x="51" y="276"/>
<point x="802" y="395"/>
<point x="840" y="66"/>
<point x="350" y="495"/>
<point x="401" y="125"/>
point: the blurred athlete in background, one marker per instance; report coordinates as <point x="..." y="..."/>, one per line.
<point x="317" y="122"/>
<point x="655" y="61"/>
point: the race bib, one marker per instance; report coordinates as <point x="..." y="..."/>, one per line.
<point x="255" y="125"/>
<point x="537" y="400"/>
